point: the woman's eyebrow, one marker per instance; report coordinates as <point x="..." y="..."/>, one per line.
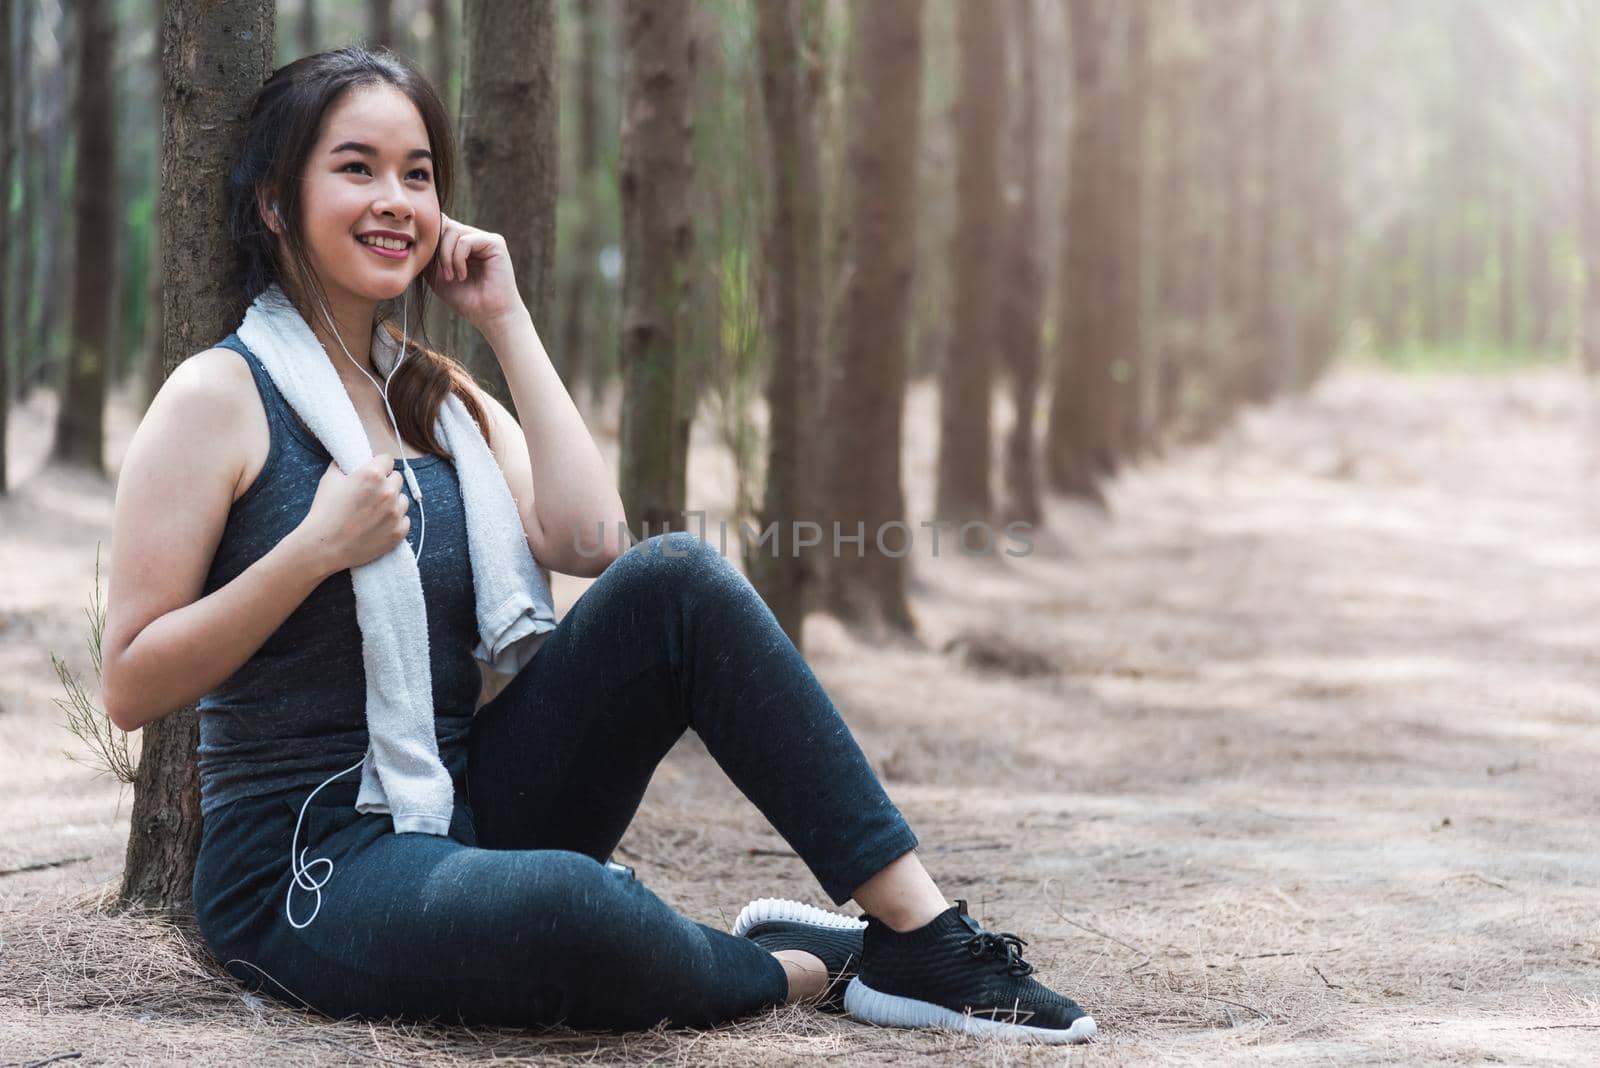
<point x="368" y="150"/>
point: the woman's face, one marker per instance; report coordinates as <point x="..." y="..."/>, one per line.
<point x="387" y="185"/>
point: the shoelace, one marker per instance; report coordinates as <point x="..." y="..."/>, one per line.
<point x="988" y="944"/>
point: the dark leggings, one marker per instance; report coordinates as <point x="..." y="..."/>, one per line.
<point x="513" y="918"/>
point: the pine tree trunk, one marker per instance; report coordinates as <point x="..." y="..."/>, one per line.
<point x="787" y="41"/>
<point x="1082" y="402"/>
<point x="1587" y="49"/>
<point x="150" y="344"/>
<point x="53" y="264"/>
<point x="657" y="242"/>
<point x="1271" y="356"/>
<point x="214" y="66"/>
<point x="964" y="378"/>
<point x="1133" y="99"/>
<point x="1021" y="300"/>
<point x="865" y="390"/>
<point x="578" y="336"/>
<point x="25" y="223"/>
<point x="508" y="158"/>
<point x="8" y="156"/>
<point x="80" y="433"/>
<point x="380" y="22"/>
<point x="444" y="48"/>
<point x="308" y="27"/>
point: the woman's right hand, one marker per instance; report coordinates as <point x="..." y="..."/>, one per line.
<point x="356" y="518"/>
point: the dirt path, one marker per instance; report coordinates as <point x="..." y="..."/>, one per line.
<point x="1315" y="780"/>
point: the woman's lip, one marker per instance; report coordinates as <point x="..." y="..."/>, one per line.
<point x="386" y="253"/>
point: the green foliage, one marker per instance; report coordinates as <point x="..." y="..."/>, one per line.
<point x="1477" y="356"/>
<point x="108" y="745"/>
<point x="1474" y="355"/>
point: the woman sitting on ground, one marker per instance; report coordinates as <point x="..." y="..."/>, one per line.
<point x="234" y="541"/>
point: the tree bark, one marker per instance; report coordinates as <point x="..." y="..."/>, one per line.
<point x="508" y="158"/>
<point x="8" y="156"/>
<point x="1133" y="111"/>
<point x="80" y="424"/>
<point x="1021" y="300"/>
<point x="150" y="345"/>
<point x="214" y="63"/>
<point x="1587" y="53"/>
<point x="380" y="22"/>
<point x="657" y="241"/>
<point x="867" y="380"/>
<point x="788" y="40"/>
<point x="578" y="334"/>
<point x="1272" y="359"/>
<point x="53" y="264"/>
<point x="962" y="493"/>
<point x="308" y="27"/>
<point x="444" y="48"/>
<point x="1083" y="403"/>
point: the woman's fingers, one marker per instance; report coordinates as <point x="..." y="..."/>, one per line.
<point x="447" y="239"/>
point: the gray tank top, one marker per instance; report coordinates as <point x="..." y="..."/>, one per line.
<point x="295" y="712"/>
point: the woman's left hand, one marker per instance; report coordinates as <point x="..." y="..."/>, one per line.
<point x="471" y="272"/>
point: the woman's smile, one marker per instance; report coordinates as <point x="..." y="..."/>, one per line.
<point x="386" y="253"/>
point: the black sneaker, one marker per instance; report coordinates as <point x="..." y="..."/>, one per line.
<point x="774" y="923"/>
<point x="954" y="975"/>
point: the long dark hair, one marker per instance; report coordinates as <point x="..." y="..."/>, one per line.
<point x="282" y="130"/>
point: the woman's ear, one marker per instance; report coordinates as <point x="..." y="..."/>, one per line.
<point x="267" y="205"/>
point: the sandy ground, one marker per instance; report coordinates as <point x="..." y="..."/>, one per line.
<point x="1312" y="778"/>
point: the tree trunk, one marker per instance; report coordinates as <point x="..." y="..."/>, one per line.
<point x="1133" y="111"/>
<point x="788" y="37"/>
<point x="380" y="23"/>
<point x="578" y="335"/>
<point x="444" y="48"/>
<point x="150" y="344"/>
<point x="1506" y="257"/>
<point x="80" y="424"/>
<point x="657" y="241"/>
<point x="308" y="27"/>
<point x="867" y="379"/>
<point x="1082" y="408"/>
<point x="964" y="378"/>
<point x="214" y="67"/>
<point x="1272" y="359"/>
<point x="8" y="156"/>
<point x="508" y="158"/>
<point x="25" y="223"/>
<point x="1021" y="299"/>
<point x="53" y="265"/>
<point x="1587" y="48"/>
<point x="1541" y="282"/>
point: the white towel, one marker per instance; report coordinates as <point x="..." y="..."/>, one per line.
<point x="402" y="774"/>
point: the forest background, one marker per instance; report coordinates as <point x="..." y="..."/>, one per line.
<point x="1275" y="321"/>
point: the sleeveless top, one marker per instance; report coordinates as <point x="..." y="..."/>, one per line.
<point x="295" y="712"/>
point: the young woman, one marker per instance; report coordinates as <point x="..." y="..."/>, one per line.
<point x="233" y="539"/>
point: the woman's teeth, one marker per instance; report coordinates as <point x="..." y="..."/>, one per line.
<point x="383" y="242"/>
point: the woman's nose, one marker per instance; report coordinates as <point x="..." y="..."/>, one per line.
<point x="392" y="200"/>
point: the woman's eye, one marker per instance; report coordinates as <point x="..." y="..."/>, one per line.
<point x="422" y="171"/>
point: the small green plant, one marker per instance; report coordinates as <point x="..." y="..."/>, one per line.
<point x="107" y="745"/>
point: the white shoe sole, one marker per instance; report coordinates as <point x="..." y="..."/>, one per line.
<point x="889" y="1010"/>
<point x="777" y="908"/>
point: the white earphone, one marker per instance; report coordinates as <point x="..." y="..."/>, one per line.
<point x="297" y="865"/>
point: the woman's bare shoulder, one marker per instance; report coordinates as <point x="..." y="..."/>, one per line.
<point x="215" y="390"/>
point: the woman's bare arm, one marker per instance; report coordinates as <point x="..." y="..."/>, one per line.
<point x="164" y="645"/>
